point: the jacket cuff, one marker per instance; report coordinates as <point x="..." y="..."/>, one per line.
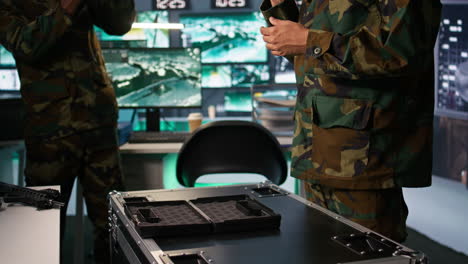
<point x="318" y="42"/>
<point x="286" y="10"/>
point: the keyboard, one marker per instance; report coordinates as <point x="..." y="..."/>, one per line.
<point x="158" y="136"/>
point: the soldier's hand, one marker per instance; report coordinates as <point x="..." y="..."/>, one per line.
<point x="70" y="6"/>
<point x="285" y="37"/>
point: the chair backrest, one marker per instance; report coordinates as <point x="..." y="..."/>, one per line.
<point x="231" y="147"/>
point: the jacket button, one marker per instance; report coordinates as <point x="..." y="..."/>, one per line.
<point x="317" y="51"/>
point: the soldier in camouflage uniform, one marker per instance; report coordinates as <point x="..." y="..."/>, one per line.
<point x="71" y="109"/>
<point x="364" y="112"/>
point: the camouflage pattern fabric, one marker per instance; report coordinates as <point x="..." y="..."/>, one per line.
<point x="383" y="211"/>
<point x="64" y="83"/>
<point x="91" y="156"/>
<point x="365" y="101"/>
<point x="70" y="104"/>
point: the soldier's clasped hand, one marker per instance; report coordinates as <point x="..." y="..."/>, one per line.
<point x="285" y="37"/>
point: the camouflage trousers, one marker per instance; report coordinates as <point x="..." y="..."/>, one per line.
<point x="383" y="211"/>
<point x="91" y="156"/>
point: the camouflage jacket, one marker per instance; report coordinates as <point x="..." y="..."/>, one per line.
<point x="64" y="84"/>
<point x="364" y="111"/>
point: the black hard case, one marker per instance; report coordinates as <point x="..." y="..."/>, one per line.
<point x="307" y="234"/>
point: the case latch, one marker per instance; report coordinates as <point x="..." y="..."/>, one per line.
<point x="368" y="244"/>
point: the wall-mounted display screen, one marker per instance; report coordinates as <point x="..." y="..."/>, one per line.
<point x="140" y="37"/>
<point x="284" y="71"/>
<point x="245" y="75"/>
<point x="237" y="101"/>
<point x="216" y="76"/>
<point x="225" y="38"/>
<point x="9" y="80"/>
<point x="149" y="77"/>
<point x="452" y="62"/>
<point x="6" y="58"/>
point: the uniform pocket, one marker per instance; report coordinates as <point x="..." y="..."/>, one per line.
<point x="340" y="141"/>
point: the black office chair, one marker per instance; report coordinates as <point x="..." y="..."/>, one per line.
<point x="231" y="147"/>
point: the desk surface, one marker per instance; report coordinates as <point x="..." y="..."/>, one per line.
<point x="29" y="235"/>
<point x="160" y="148"/>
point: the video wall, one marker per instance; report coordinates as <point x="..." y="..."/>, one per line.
<point x="234" y="56"/>
<point x="452" y="62"/>
<point x="450" y="144"/>
<point x="139" y="37"/>
<point x="6" y="58"/>
<point x="235" y="75"/>
<point x="144" y="77"/>
<point x="284" y="71"/>
<point x="232" y="52"/>
<point x="225" y="38"/>
<point x="9" y="79"/>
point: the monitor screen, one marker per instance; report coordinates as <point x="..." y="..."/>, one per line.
<point x="284" y="71"/>
<point x="6" y="58"/>
<point x="152" y="77"/>
<point x="237" y="101"/>
<point x="216" y="76"/>
<point x="245" y="75"/>
<point x="9" y="80"/>
<point x="139" y="37"/>
<point x="452" y="62"/>
<point x="225" y="38"/>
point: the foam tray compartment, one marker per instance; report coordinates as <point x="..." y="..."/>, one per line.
<point x="169" y="218"/>
<point x="237" y="213"/>
<point x="200" y="216"/>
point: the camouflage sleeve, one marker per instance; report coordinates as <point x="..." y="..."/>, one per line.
<point x="31" y="41"/>
<point x="397" y="39"/>
<point x="115" y="17"/>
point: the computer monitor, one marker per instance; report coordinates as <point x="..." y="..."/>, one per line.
<point x="451" y="56"/>
<point x="155" y="78"/>
<point x="246" y="75"/>
<point x="284" y="71"/>
<point x="139" y="37"/>
<point x="225" y="38"/>
<point x="9" y="79"/>
<point x="216" y="76"/>
<point x="235" y="101"/>
<point x="6" y="58"/>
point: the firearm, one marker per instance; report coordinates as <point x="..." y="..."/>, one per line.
<point x="41" y="199"/>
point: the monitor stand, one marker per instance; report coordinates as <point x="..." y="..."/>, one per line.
<point x="152" y="119"/>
